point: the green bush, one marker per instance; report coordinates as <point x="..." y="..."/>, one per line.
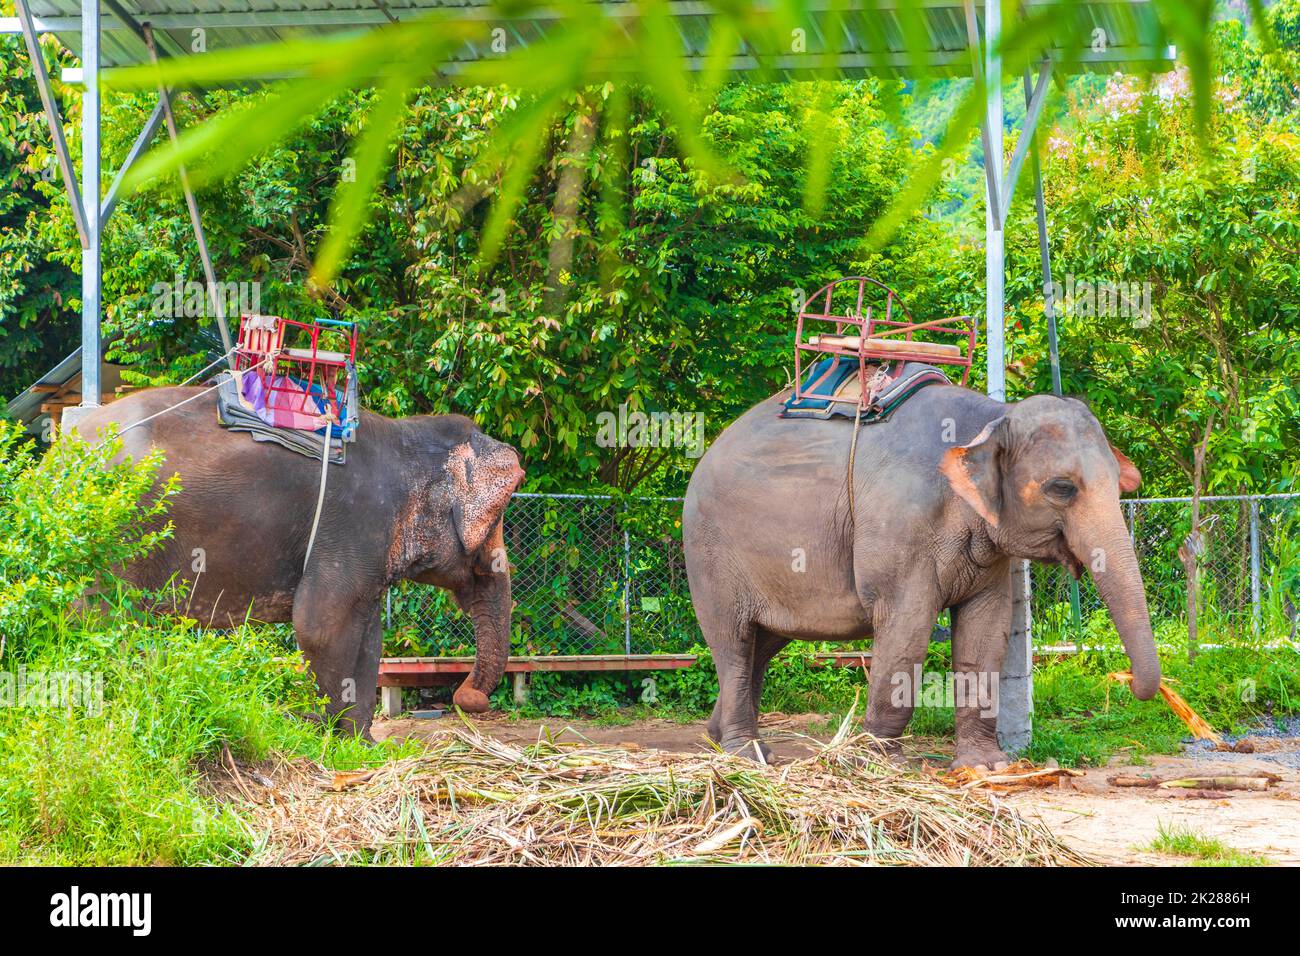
<point x="64" y="519"/>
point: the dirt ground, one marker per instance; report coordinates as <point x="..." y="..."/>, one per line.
<point x="1112" y="824"/>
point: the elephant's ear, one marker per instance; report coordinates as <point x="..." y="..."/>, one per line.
<point x="1129" y="476"/>
<point x="974" y="470"/>
<point x="480" y="490"/>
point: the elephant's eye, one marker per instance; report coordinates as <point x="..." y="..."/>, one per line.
<point x="1062" y="489"/>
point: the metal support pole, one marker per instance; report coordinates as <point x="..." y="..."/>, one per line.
<point x="52" y="116"/>
<point x="137" y="148"/>
<point x="1255" y="602"/>
<point x="627" y="592"/>
<point x="214" y="291"/>
<point x="1045" y="257"/>
<point x="1015" y="683"/>
<point x="994" y="248"/>
<point x="1049" y="307"/>
<point x="90" y="160"/>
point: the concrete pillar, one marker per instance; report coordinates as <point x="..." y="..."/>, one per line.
<point x="1016" y="684"/>
<point x="520" y="684"/>
<point x="391" y="700"/>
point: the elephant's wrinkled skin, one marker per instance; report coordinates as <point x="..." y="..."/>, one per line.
<point x="419" y="498"/>
<point x="947" y="492"/>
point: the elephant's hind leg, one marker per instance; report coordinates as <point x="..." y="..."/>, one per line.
<point x="734" y="724"/>
<point x="766" y="646"/>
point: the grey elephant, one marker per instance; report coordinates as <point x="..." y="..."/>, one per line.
<point x="419" y="498"/>
<point x="947" y="493"/>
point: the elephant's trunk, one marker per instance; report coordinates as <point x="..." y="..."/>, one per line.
<point x="489" y="605"/>
<point x="1100" y="541"/>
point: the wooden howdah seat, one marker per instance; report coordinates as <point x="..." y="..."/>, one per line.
<point x="297" y="373"/>
<point x="865" y="321"/>
<point x="936" y="350"/>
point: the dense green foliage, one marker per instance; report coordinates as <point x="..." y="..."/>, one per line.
<point x="38" y="295"/>
<point x="1134" y="199"/>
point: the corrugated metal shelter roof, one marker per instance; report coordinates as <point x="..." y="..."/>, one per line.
<point x="870" y="40"/>
<point x="56" y="389"/>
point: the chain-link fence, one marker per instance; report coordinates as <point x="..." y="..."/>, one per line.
<point x="1247" y="560"/>
<point x="596" y="575"/>
<point x="591" y="575"/>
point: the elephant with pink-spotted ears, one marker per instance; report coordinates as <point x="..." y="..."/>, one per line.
<point x="947" y="493"/>
<point x="420" y="498"/>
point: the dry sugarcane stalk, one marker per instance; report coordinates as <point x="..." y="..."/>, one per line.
<point x="1219" y="783"/>
<point x="1195" y="722"/>
<point x="471" y="800"/>
<point x="1123" y="780"/>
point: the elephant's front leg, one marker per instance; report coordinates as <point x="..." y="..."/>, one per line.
<point x="980" y="629"/>
<point x="342" y="639"/>
<point x="901" y="637"/>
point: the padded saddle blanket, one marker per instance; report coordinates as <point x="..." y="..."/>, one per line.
<point x="888" y="386"/>
<point x="236" y="412"/>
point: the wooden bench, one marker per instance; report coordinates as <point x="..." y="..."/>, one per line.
<point x="396" y="673"/>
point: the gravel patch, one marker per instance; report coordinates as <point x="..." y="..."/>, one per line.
<point x="1283" y="732"/>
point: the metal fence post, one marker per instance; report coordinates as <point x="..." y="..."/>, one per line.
<point x="1254" y="563"/>
<point x="627" y="586"/>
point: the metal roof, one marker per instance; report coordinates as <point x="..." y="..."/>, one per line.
<point x="64" y="377"/>
<point x="26" y="407"/>
<point x="1129" y="26"/>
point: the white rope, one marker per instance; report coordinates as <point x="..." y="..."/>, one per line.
<point x="170" y="408"/>
<point x="200" y="372"/>
<point x="197" y="374"/>
<point x="320" y="498"/>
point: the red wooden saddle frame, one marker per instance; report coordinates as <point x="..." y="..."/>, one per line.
<point x="261" y="346"/>
<point x="873" y="327"/>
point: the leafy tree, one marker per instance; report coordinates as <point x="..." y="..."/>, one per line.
<point x="36" y="292"/>
<point x="1132" y="202"/>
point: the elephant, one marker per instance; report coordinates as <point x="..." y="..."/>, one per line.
<point x="947" y="492"/>
<point x="419" y="498"/>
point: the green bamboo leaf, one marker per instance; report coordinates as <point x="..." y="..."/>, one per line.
<point x="425" y="39"/>
<point x="518" y="172"/>
<point x="964" y="121"/>
<point x="227" y="141"/>
<point x="660" y="55"/>
<point x="348" y="210"/>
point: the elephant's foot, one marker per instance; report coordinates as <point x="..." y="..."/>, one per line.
<point x="752" y="748"/>
<point x="889" y="734"/>
<point x="471" y="700"/>
<point x="982" y="758"/>
<point x="347" y="725"/>
<point x="714" y="729"/>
